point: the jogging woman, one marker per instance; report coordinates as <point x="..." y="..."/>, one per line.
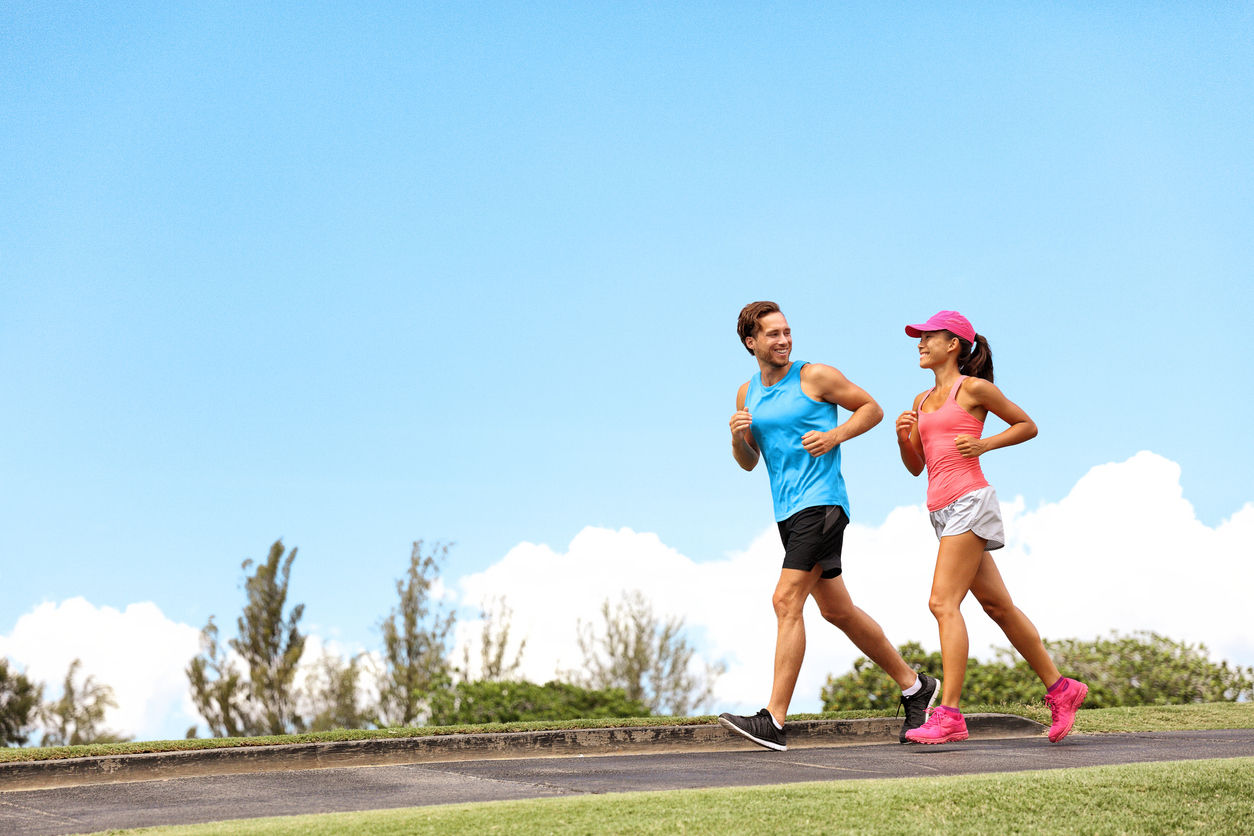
<point x="942" y="432"/>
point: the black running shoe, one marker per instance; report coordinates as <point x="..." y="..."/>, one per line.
<point x="918" y="706"/>
<point x="760" y="728"/>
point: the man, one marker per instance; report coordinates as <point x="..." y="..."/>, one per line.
<point x="787" y="414"/>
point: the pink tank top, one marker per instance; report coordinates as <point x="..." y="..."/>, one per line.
<point x="949" y="475"/>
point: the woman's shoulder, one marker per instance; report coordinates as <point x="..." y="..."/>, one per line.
<point x="978" y="387"/>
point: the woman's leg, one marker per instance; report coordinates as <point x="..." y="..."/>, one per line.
<point x="957" y="562"/>
<point x="990" y="590"/>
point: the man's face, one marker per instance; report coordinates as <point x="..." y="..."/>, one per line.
<point x="772" y="342"/>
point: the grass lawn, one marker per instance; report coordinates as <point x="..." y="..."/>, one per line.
<point x="1225" y="715"/>
<point x="1214" y="797"/>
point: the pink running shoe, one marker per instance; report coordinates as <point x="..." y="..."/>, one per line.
<point x="943" y="726"/>
<point x="1063" y="704"/>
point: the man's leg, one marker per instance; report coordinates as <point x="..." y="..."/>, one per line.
<point x="791" y="592"/>
<point x="838" y="608"/>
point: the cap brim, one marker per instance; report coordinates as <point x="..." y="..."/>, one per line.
<point x="916" y="330"/>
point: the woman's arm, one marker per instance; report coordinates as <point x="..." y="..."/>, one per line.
<point x="908" y="441"/>
<point x="985" y="394"/>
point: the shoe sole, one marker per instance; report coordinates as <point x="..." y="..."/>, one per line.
<point x="927" y="712"/>
<point x="1070" y="725"/>
<point x="949" y="738"/>
<point x="730" y="726"/>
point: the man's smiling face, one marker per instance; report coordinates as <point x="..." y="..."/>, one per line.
<point x="772" y="342"/>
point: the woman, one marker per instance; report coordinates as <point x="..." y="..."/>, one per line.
<point x="943" y="433"/>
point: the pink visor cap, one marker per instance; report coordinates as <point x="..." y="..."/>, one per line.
<point x="951" y="321"/>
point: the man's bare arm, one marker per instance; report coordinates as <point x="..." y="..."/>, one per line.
<point x="744" y="447"/>
<point x="827" y="383"/>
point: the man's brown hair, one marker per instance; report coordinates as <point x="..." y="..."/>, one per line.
<point x="747" y="325"/>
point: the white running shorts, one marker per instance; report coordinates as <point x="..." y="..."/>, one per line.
<point x="977" y="511"/>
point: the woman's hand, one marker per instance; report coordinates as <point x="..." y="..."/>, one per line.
<point x="970" y="447"/>
<point x="906" y="423"/>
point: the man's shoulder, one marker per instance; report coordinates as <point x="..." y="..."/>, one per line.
<point x="820" y="370"/>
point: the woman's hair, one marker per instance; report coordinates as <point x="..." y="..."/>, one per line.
<point x="747" y="323"/>
<point x="977" y="360"/>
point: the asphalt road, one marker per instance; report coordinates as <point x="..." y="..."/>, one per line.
<point x="88" y="809"/>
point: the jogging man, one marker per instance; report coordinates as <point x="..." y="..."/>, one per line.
<point x="787" y="415"/>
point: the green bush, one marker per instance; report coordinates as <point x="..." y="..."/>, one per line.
<point x="1142" y="668"/>
<point x="508" y="702"/>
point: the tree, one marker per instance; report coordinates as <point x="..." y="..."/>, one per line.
<point x="415" y="637"/>
<point x="332" y="694"/>
<point x="646" y="656"/>
<point x="74" y="719"/>
<point x="19" y="705"/>
<point x="270" y="646"/>
<point x="1143" y="668"/>
<point x="494" y="643"/>
<point x="218" y="690"/>
<point x="509" y="702"/>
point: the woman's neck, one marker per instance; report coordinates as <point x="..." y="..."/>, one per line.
<point x="946" y="376"/>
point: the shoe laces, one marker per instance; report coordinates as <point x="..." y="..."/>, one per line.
<point x="1055" y="707"/>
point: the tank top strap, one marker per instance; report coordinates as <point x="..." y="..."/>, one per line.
<point x="953" y="393"/>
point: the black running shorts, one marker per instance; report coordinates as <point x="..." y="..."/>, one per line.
<point x="814" y="537"/>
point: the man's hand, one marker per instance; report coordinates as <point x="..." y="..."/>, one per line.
<point x="740" y="425"/>
<point x="817" y="443"/>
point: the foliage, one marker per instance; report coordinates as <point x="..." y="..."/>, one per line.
<point x="1148" y="669"/>
<point x="19" y="705"/>
<point x="415" y="637"/>
<point x="494" y="643"/>
<point x="1142" y="668"/>
<point x="647" y="657"/>
<point x="218" y="690"/>
<point x="74" y="719"/>
<point x="508" y="702"/>
<point x="270" y="646"/>
<point x="332" y="694"/>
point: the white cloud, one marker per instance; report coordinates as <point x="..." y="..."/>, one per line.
<point x="138" y="652"/>
<point x="1123" y="551"/>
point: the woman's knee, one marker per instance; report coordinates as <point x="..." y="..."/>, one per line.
<point x="943" y="607"/>
<point x="999" y="611"/>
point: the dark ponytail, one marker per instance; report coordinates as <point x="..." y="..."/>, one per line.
<point x="977" y="360"/>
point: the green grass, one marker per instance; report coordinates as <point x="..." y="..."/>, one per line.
<point x="1198" y="717"/>
<point x="1197" y="797"/>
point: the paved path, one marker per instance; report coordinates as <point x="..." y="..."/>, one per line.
<point x="89" y="809"/>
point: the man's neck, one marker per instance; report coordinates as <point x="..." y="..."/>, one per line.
<point x="773" y="374"/>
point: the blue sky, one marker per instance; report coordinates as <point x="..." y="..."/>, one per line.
<point x="354" y="277"/>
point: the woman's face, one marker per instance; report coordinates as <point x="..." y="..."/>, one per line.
<point x="935" y="348"/>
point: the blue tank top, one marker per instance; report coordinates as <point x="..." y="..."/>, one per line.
<point x="781" y="415"/>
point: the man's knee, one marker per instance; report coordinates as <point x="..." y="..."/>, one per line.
<point x="787" y="604"/>
<point x="841" y="615"/>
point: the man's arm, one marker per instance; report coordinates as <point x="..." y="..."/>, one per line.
<point x="826" y="383"/>
<point x="744" y="447"/>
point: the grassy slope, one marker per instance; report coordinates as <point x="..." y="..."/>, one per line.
<point x="1155" y="718"/>
<point x="1197" y="797"/>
